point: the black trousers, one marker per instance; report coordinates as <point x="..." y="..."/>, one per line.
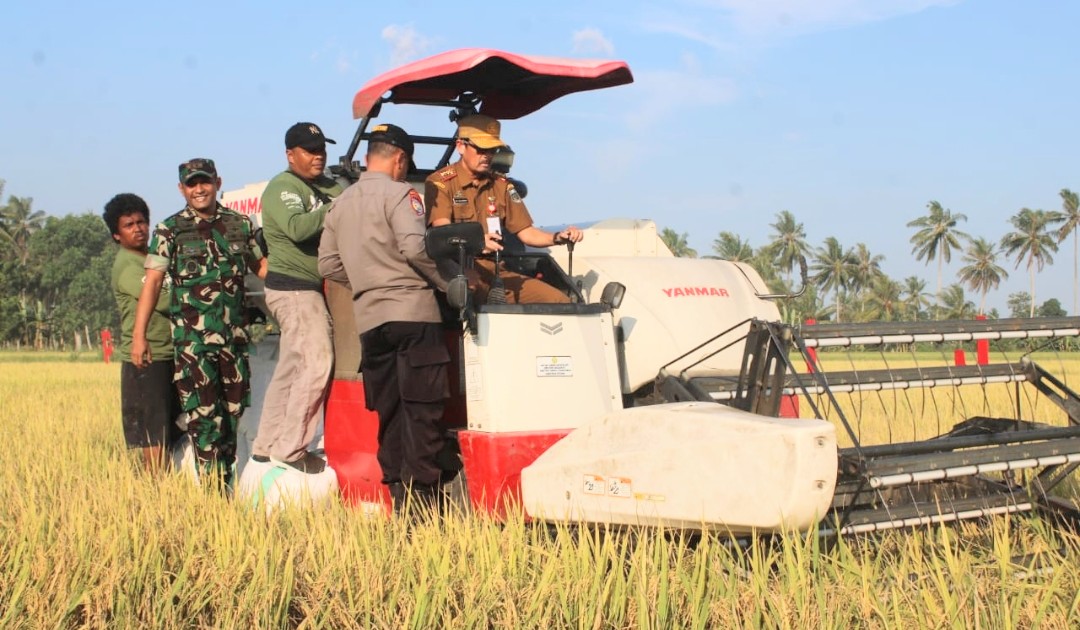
<point x="406" y="382"/>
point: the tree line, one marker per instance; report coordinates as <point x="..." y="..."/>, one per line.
<point x="846" y="284"/>
<point x="54" y="277"/>
<point x="55" y="271"/>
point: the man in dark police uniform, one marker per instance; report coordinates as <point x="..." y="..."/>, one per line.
<point x="374" y="241"/>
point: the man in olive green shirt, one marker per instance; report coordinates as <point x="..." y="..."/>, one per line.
<point x="148" y="399"/>
<point x="294" y="205"/>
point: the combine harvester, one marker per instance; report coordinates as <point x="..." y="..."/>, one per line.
<point x="665" y="394"/>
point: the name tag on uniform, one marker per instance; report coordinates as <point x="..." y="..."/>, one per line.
<point x="460" y="200"/>
<point x="493" y="226"/>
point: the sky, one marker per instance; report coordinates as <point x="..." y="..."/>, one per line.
<point x="851" y="114"/>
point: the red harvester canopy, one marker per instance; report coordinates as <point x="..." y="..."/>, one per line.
<point x="509" y="85"/>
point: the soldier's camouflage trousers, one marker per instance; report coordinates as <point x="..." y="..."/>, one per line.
<point x="215" y="387"/>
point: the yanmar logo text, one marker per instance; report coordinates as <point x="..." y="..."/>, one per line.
<point x="695" y="291"/>
<point x="251" y="205"/>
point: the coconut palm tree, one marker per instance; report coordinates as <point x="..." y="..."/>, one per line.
<point x="18" y="221"/>
<point x="956" y="304"/>
<point x="833" y="269"/>
<point x="867" y="269"/>
<point x="677" y="243"/>
<point x="914" y="298"/>
<point x="1070" y="213"/>
<point x="982" y="273"/>
<point x="1032" y="242"/>
<point x="788" y="243"/>
<point x="884" y="299"/>
<point x="729" y="246"/>
<point x="937" y="237"/>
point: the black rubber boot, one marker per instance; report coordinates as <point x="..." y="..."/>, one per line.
<point x="426" y="500"/>
<point x="398" y="497"/>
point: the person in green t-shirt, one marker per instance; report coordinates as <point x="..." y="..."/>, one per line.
<point x="294" y="206"/>
<point x="148" y="401"/>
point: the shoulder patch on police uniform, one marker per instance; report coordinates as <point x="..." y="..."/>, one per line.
<point x="439" y="185"/>
<point x="514" y="196"/>
<point x="447" y="173"/>
<point x="417" y="202"/>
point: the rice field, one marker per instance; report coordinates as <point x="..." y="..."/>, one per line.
<point x="86" y="540"/>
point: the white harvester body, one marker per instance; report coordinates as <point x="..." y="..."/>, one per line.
<point x="533" y="371"/>
<point x="687" y="465"/>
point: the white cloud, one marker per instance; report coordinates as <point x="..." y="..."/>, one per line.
<point x="661" y="93"/>
<point x="590" y="41"/>
<point x="332" y="51"/>
<point x="792" y="17"/>
<point x="684" y="31"/>
<point x="343" y="63"/>
<point x="734" y="24"/>
<point x="406" y="44"/>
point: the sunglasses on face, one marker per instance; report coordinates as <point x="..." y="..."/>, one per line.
<point x="469" y="143"/>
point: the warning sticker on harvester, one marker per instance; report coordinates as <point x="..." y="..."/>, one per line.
<point x="619" y="487"/>
<point x="554" y="366"/>
<point x="593" y="484"/>
<point x="474" y="382"/>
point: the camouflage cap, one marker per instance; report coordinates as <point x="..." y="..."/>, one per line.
<point x="197" y="166"/>
<point x="483" y="131"/>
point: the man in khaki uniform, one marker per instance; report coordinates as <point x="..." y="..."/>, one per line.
<point x="469" y="190"/>
<point x="374" y="241"/>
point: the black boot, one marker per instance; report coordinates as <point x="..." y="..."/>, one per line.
<point x="398" y="496"/>
<point x="426" y="499"/>
<point x="418" y="502"/>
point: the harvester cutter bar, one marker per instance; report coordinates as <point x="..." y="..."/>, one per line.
<point x="936" y="466"/>
<point x="878" y="333"/>
<point x="928" y="513"/>
<point x="721" y="388"/>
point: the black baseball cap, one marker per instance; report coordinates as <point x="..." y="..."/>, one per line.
<point x="394" y="136"/>
<point x="307" y="136"/>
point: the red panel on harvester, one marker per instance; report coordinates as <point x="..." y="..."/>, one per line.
<point x="351" y="438"/>
<point x="493" y="463"/>
<point x="789" y="406"/>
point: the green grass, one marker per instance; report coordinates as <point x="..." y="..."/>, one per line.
<point x="86" y="356"/>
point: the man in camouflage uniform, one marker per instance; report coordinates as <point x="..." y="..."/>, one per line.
<point x="205" y="249"/>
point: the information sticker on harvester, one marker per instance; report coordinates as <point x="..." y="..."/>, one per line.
<point x="593" y="484"/>
<point x="620" y="487"/>
<point x="554" y="366"/>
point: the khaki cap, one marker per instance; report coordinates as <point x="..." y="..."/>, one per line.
<point x="483" y="131"/>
